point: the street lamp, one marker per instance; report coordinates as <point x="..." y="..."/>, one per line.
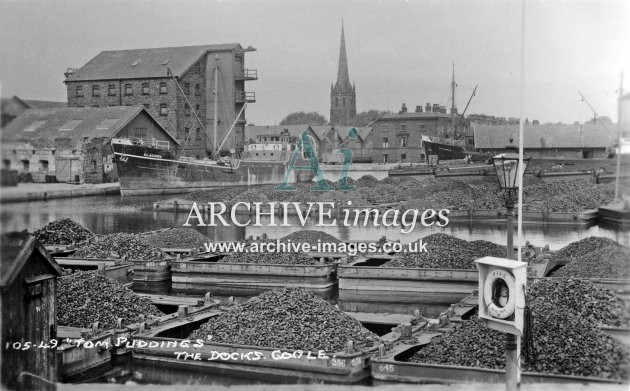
<point x="507" y="170"/>
<point x="506" y="166"/>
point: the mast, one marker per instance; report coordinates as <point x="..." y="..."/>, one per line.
<point x="216" y="102"/>
<point x="453" y="85"/>
<point x="618" y="136"/>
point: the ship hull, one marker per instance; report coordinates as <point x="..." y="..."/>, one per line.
<point x="145" y="171"/>
<point x="444" y="151"/>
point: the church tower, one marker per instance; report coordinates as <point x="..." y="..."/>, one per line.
<point x="343" y="102"/>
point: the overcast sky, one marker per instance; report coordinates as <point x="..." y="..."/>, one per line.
<point x="397" y="51"/>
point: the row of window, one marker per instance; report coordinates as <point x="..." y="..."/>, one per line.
<point x="402" y="142"/>
<point x="186" y="134"/>
<point x="401" y="127"/>
<point x="403" y="156"/>
<point x="112" y="89"/>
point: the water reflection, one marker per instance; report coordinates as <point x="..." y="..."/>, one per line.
<point x="109" y="214"/>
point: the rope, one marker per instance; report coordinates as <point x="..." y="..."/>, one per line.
<point x="25" y="373"/>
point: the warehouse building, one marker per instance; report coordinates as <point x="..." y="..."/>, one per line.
<point x="73" y="144"/>
<point x="555" y="141"/>
<point x="176" y="86"/>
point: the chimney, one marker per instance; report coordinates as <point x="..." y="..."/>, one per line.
<point x="404" y="108"/>
<point x="427" y="108"/>
<point x="69" y="72"/>
<point x="419" y="109"/>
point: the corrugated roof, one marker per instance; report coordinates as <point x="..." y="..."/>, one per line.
<point x="79" y="122"/>
<point x="545" y="136"/>
<point x="144" y="63"/>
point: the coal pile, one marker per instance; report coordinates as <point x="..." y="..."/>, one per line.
<point x="174" y="238"/>
<point x="287" y="318"/>
<point x="608" y="262"/>
<point x="62" y="232"/>
<point x="578" y="249"/>
<point x="275" y="258"/>
<point x="581" y="298"/>
<point x="87" y="297"/>
<point x="366" y="180"/>
<point x="311" y="237"/>
<point x="564" y="344"/>
<point x="117" y="246"/>
<point x="448" y="252"/>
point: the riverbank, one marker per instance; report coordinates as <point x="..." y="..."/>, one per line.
<point x="45" y="191"/>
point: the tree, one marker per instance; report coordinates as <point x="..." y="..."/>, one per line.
<point x="365" y="117"/>
<point x="302" y="118"/>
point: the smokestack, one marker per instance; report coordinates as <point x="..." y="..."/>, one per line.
<point x="419" y="109"/>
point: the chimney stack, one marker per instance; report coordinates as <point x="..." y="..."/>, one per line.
<point x="419" y="109"/>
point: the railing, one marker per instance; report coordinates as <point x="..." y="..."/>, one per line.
<point x="446" y="141"/>
<point x="151" y="142"/>
<point x="250" y="74"/>
<point x="245" y="96"/>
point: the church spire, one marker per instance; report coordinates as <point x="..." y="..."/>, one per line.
<point x="343" y="79"/>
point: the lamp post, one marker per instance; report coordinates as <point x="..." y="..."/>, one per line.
<point x="506" y="166"/>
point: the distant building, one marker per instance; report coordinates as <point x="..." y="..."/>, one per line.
<point x="73" y="144"/>
<point x="398" y="137"/>
<point x="549" y="141"/>
<point x="11" y="108"/>
<point x="176" y="86"/>
<point x="324" y="138"/>
<point x="28" y="285"/>
<point x="343" y="96"/>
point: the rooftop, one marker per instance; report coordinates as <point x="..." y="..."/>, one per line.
<point x="546" y="136"/>
<point x="72" y="122"/>
<point x="145" y="63"/>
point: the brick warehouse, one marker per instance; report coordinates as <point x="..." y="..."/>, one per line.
<point x="73" y="144"/>
<point x="182" y="100"/>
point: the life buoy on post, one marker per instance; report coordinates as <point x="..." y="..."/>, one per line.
<point x="499" y="293"/>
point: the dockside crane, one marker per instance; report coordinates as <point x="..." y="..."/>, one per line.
<point x="589" y="105"/>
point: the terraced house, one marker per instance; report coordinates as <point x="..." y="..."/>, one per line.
<point x="176" y="85"/>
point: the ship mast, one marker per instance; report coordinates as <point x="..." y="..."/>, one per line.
<point x="216" y="102"/>
<point x="453" y="85"/>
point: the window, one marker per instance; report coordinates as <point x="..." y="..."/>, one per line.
<point x="343" y="101"/>
<point x="197" y="89"/>
<point x="163" y="87"/>
<point x="145" y="88"/>
<point x="196" y="108"/>
<point x="385" y="128"/>
<point x="96" y="90"/>
<point x="6" y="163"/>
<point x="163" y="109"/>
<point x="186" y="133"/>
<point x="106" y="124"/>
<point x="422" y="126"/>
<point x="384" y="158"/>
<point x="26" y="165"/>
<point x="43" y="165"/>
<point x="187" y="111"/>
<point x="140" y="132"/>
<point x="385" y="142"/>
<point x="403" y="127"/>
<point x="187" y="88"/>
<point x="403" y="142"/>
<point x="403" y="156"/>
<point x="79" y="92"/>
<point x="111" y="90"/>
<point x="198" y="134"/>
<point x="93" y="165"/>
<point x="34" y="126"/>
<point x="70" y="125"/>
<point x="128" y="89"/>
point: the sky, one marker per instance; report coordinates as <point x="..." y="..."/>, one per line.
<point x="398" y="51"/>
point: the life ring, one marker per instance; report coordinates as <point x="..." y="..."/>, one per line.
<point x="497" y="279"/>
